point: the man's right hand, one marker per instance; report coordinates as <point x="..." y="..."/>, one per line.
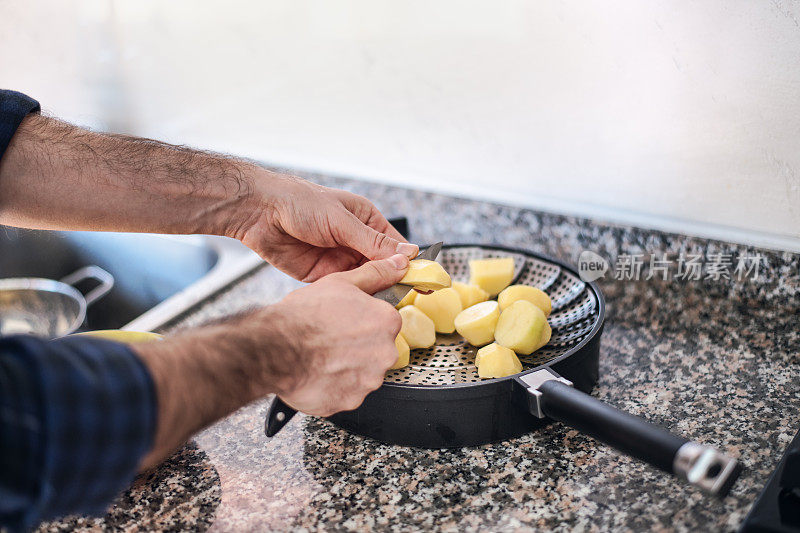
<point x="334" y="341"/>
<point x="322" y="348"/>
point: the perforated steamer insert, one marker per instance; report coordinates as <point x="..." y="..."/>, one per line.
<point x="438" y="400"/>
<point x="452" y="360"/>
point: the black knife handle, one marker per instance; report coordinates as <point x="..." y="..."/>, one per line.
<point x="278" y="416"/>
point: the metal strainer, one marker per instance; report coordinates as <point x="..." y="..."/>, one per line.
<point x="452" y="360"/>
<point x="46" y="307"/>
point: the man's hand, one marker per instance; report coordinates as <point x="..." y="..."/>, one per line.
<point x="322" y="348"/>
<point x="58" y="176"/>
<point x="337" y="341"/>
<point x="309" y="231"/>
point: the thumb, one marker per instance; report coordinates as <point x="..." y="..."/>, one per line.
<point x="375" y="276"/>
<point x="371" y="243"/>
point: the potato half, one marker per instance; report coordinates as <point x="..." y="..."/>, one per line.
<point x="546" y="334"/>
<point x="418" y="330"/>
<point x="470" y="294"/>
<point x="442" y="307"/>
<point x="491" y="275"/>
<point x="426" y="275"/>
<point x="403" y="352"/>
<point x="476" y="323"/>
<point x="521" y="327"/>
<point x="534" y="295"/>
<point x="495" y="361"/>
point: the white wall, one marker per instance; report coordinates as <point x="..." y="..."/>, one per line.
<point x="684" y="116"/>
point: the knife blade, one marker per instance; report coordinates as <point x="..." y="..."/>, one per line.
<point x="279" y="412"/>
<point x="396" y="293"/>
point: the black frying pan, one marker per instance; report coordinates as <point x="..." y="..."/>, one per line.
<point x="438" y="401"/>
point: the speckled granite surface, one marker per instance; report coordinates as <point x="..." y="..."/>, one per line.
<point x="716" y="360"/>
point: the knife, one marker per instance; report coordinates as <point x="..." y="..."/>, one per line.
<point x="279" y="412"/>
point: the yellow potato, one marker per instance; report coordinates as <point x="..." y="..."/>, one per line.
<point x="442" y="307"/>
<point x="491" y="275"/>
<point x="548" y="331"/>
<point x="426" y="275"/>
<point x="521" y="327"/>
<point x="470" y="294"/>
<point x="534" y="295"/>
<point x="403" y="352"/>
<point x="476" y="323"/>
<point x="408" y="299"/>
<point x="495" y="361"/>
<point x="418" y="330"/>
<point x="124" y="336"/>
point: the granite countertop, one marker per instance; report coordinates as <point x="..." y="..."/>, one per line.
<point x="715" y="360"/>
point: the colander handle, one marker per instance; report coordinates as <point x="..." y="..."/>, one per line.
<point x="703" y="466"/>
<point x="92" y="272"/>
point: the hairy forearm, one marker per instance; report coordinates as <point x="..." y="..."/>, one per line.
<point x="204" y="374"/>
<point x="58" y="176"/>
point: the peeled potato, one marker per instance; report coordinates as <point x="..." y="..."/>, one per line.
<point x="476" y="323"/>
<point x="418" y="330"/>
<point x="521" y="327"/>
<point x="548" y="331"/>
<point x="470" y="294"/>
<point x="426" y="275"/>
<point x="534" y="295"/>
<point x="442" y="307"/>
<point x="491" y="275"/>
<point x="403" y="352"/>
<point x="495" y="361"/>
<point x="408" y="299"/>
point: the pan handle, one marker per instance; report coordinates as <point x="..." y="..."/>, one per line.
<point x="278" y="416"/>
<point x="92" y="272"/>
<point x="703" y="466"/>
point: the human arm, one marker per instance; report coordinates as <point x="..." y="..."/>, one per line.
<point x="79" y="416"/>
<point x="76" y="416"/>
<point x="287" y="348"/>
<point x="54" y="175"/>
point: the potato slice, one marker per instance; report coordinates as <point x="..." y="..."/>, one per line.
<point x="418" y="330"/>
<point x="408" y="299"/>
<point x="470" y="294"/>
<point x="534" y="295"/>
<point x="495" y="361"/>
<point x="442" y="307"/>
<point x="403" y="352"/>
<point x="521" y="327"/>
<point x="476" y="323"/>
<point x="426" y="275"/>
<point x="491" y="275"/>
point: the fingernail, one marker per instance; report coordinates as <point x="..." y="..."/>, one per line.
<point x="407" y="249"/>
<point x="399" y="261"/>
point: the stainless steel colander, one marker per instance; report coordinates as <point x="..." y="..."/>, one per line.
<point x="452" y="360"/>
<point x="46" y="307"/>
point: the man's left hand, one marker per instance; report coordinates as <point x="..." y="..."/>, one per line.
<point x="309" y="231"/>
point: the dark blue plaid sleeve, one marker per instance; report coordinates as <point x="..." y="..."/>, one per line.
<point x="14" y="107"/>
<point x="76" y="417"/>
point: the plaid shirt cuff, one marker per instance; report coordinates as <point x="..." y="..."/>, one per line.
<point x="90" y="412"/>
<point x="14" y="107"/>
